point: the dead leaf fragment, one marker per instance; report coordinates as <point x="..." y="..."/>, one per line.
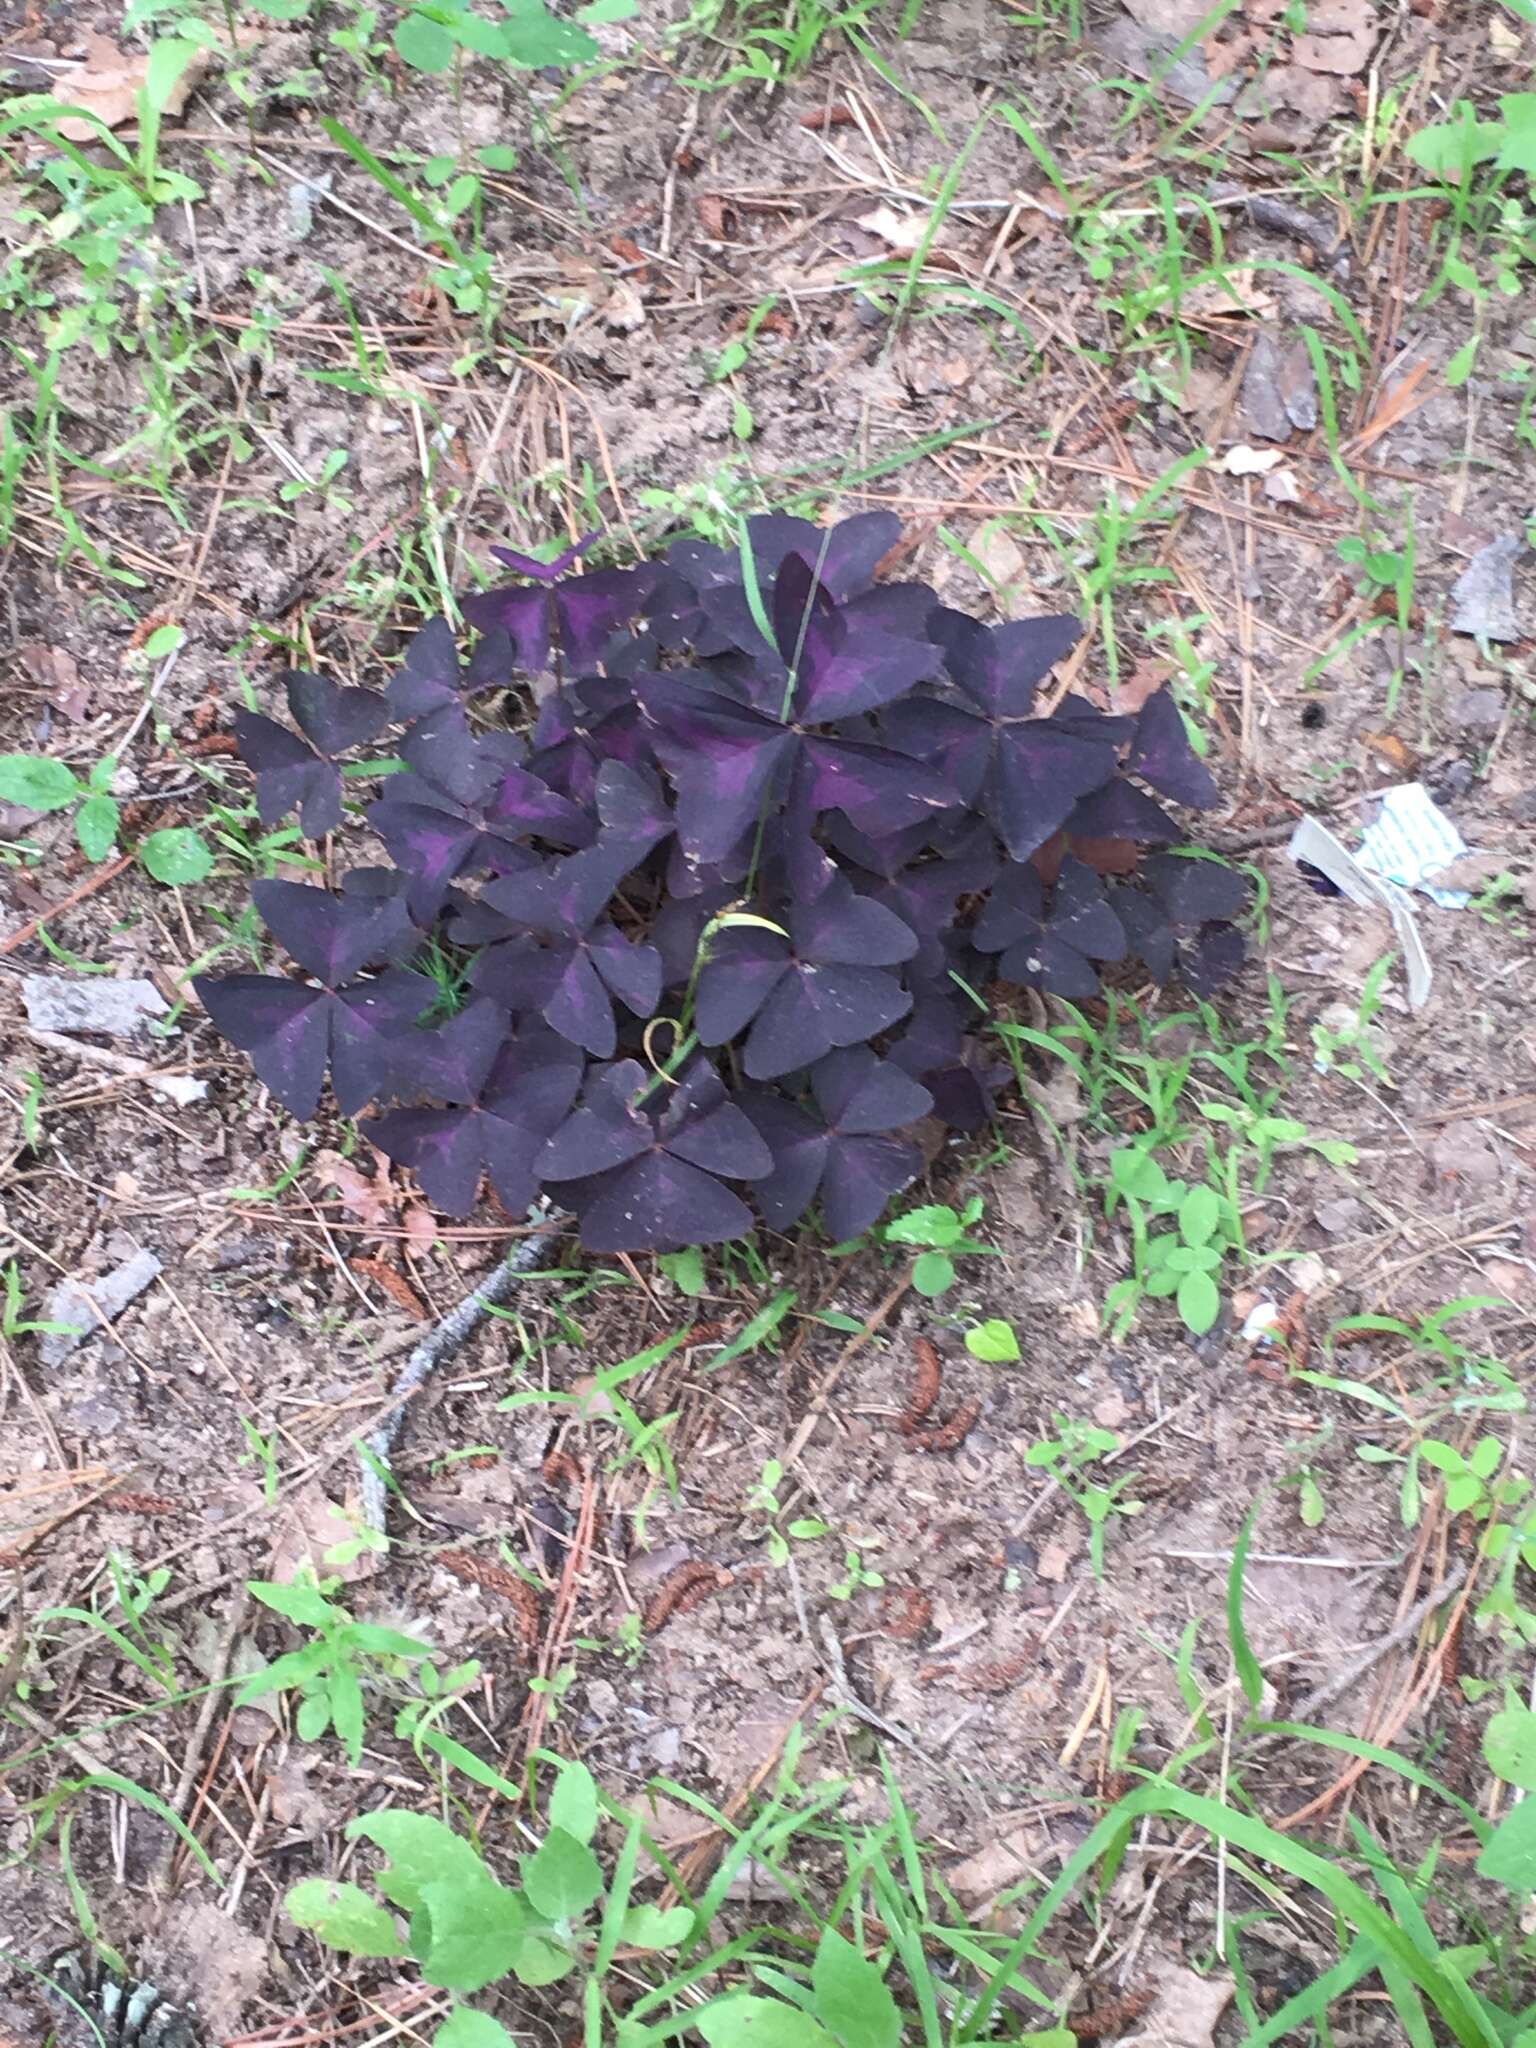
<point x="901" y="231"/>
<point x="1341" y="35"/>
<point x="109" y="81"/>
<point x="1236" y="293"/>
<point x="1483" y="595"/>
<point x="1184" y="2009"/>
<point x="1245" y="461"/>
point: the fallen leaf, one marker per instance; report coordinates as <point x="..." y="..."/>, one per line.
<point x="109" y="81"/>
<point x="312" y="1526"/>
<point x="1177" y="18"/>
<point x="1341" y="35"/>
<point x="1235" y="293"/>
<point x="901" y="231"/>
<point x="1054" y="1561"/>
<point x="1483" y="595"/>
<point x="1184" y="2009"/>
<point x="1282" y="488"/>
<point x="395" y="1285"/>
<point x="420" y="1226"/>
<point x="1393" y="750"/>
<point x="1145" y="679"/>
<point x="623" y="311"/>
<point x="1503" y="37"/>
<point x="1010" y="1860"/>
<point x="1515" y="1278"/>
<point x="370" y="1201"/>
<point x="1245" y="461"/>
<point x="1289" y="89"/>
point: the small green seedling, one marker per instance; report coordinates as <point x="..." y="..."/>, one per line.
<point x="13" y="1323"/>
<point x="1181" y="1262"/>
<point x="37" y="782"/>
<point x="857" y="1578"/>
<point x="943" y="1231"/>
<point x="1075" y="1446"/>
<point x="328" y="1672"/>
<point x="764" y="1501"/>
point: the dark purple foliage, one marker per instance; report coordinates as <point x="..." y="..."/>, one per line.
<point x="762" y="828"/>
<point x="302" y="774"/>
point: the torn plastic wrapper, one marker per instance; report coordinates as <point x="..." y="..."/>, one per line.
<point x="1410" y="840"/>
<point x="1315" y="844"/>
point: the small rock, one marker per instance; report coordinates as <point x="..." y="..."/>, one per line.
<point x="1340" y="1218"/>
<point x="1466" y="1156"/>
<point x="72" y="1305"/>
<point x="1483" y="595"/>
<point x="1478" y="710"/>
<point x="121" y="1009"/>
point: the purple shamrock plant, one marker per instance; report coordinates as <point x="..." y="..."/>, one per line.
<point x="693" y="938"/>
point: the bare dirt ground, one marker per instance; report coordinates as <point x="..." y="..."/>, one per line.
<point x="995" y="1662"/>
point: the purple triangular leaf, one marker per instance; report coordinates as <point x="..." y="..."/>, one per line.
<point x="1122" y="811"/>
<point x="661" y="1203"/>
<point x="740" y="971"/>
<point x="334" y="719"/>
<point x="861" y="1176"/>
<point x="798" y="1145"/>
<point x="428" y="678"/>
<point x="1211" y="958"/>
<point x="1195" y="890"/>
<point x="282" y="1025"/>
<point x="605" y="1131"/>
<point x="1036" y="778"/>
<point x="1162" y="755"/>
<point x="331" y="937"/>
<point x="813" y="1009"/>
<point x="859" y="1093"/>
<point x="366" y="1019"/>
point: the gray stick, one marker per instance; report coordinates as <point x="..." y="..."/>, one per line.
<point x="449" y="1335"/>
<point x="1325" y="1695"/>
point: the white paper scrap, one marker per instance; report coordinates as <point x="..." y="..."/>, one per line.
<point x="1316" y="845"/>
<point x="1411" y="840"/>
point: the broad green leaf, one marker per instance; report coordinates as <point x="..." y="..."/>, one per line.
<point x="562" y="1877"/>
<point x="535" y="38"/>
<point x="1199" y="1213"/>
<point x="542" y="1960"/>
<point x="651" y="1927"/>
<point x="1509" y="1744"/>
<point x="346" y="1704"/>
<point x="167" y="62"/>
<point x="313" y="1717"/>
<point x="1510" y="1858"/>
<point x="37" y="782"/>
<point x="499" y="156"/>
<point x="344" y="1917"/>
<point x="933" y="1225"/>
<point x="993" y="1342"/>
<point x="741" y="2020"/>
<point x="1199" y="1302"/>
<point x="573" y="1803"/>
<point x="1135" y="1172"/>
<point x="468" y="1935"/>
<point x="176" y="855"/>
<point x="933" y="1274"/>
<point x="685" y="1269"/>
<point x="424" y="44"/>
<point x="96" y="826"/>
<point x="1518" y="151"/>
<point x="1459" y="368"/>
<point x="466" y="2028"/>
<point x="850" y="1996"/>
<point x="1449" y="148"/>
<point x="297" y="1602"/>
<point x="421" y="1851"/>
